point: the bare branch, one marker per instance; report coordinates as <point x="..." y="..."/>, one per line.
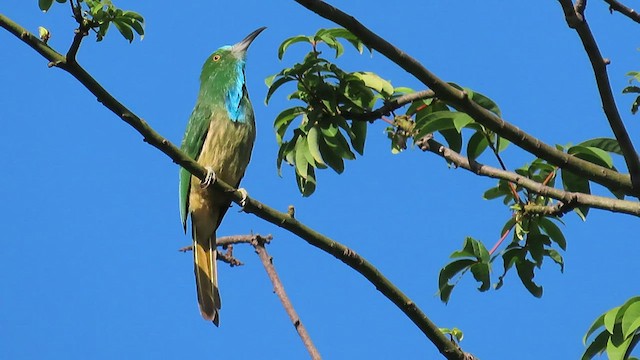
<point x="569" y="199"/>
<point x="624" y="10"/>
<point x="575" y="19"/>
<point x="283" y="220"/>
<point x="278" y="288"/>
<point x="460" y="100"/>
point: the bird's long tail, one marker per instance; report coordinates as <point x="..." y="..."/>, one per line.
<point x="205" y="268"/>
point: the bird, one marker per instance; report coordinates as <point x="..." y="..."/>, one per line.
<point x="220" y="135"/>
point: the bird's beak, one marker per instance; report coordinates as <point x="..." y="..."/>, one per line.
<point x="241" y="47"/>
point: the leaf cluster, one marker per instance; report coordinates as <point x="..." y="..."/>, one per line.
<point x="326" y="134"/>
<point x="620" y="332"/>
<point x="533" y="221"/>
<point x="98" y="15"/>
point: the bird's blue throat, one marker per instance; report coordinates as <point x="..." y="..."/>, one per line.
<point x="233" y="99"/>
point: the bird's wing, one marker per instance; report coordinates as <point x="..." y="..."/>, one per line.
<point x="194" y="137"/>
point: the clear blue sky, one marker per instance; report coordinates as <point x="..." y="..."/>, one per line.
<point x="89" y="267"/>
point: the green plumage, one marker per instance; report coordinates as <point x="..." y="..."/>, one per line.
<point x="219" y="136"/>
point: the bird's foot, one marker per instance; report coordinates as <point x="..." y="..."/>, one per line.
<point x="209" y="179"/>
<point x="243" y="201"/>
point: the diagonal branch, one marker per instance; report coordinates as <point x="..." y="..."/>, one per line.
<point x="576" y="20"/>
<point x="283" y="220"/>
<point x="390" y="106"/>
<point x="569" y="199"/>
<point x="460" y="100"/>
<point x="267" y="262"/>
<point x="622" y="9"/>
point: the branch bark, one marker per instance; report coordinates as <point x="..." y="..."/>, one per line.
<point x="575" y="18"/>
<point x="267" y="261"/>
<point x="570" y="199"/>
<point x="390" y="106"/>
<point x="624" y="10"/>
<point x="339" y="251"/>
<point x="459" y="100"/>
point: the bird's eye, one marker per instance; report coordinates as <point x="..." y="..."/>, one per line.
<point x="216" y="57"/>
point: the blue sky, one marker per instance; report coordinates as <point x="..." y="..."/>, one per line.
<point x="89" y="266"/>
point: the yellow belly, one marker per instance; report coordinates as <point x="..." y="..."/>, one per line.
<point x="227" y="150"/>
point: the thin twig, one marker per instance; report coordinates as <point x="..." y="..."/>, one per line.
<point x="568" y="199"/>
<point x="278" y="288"/>
<point x="389" y="106"/>
<point x="576" y="20"/>
<point x="283" y="220"/>
<point x="80" y="32"/>
<point x="460" y="101"/>
<point x="624" y="10"/>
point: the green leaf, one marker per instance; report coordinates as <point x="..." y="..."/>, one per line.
<point x="485" y="102"/>
<point x="330" y="157"/>
<point x="535" y="245"/>
<point x="290" y="41"/>
<point x="274" y="86"/>
<point x="133" y="15"/>
<point x="307" y="186"/>
<point x="610" y="319"/>
<point x="480" y="272"/>
<point x="313" y="141"/>
<point x="338" y="143"/>
<point x="606" y="144"/>
<point x="347" y="35"/>
<point x="525" y="272"/>
<point x="617" y="346"/>
<point x="592" y="154"/>
<point x="493" y="193"/>
<point x="477" y="144"/>
<point x="124" y="29"/>
<point x="554" y="232"/>
<point x="283" y="153"/>
<point x="556" y="257"/>
<point x="631" y="318"/>
<point x="45" y="5"/>
<point x="597" y="346"/>
<point x="598" y="323"/>
<point x="359" y="129"/>
<point x="284" y="119"/>
<point x="631" y="89"/>
<point x="453" y="138"/>
<point x="448" y="272"/>
<point x="373" y="81"/>
<point x="332" y="42"/>
<point x="301" y="163"/>
<point x="455" y="332"/>
<point x="501" y="143"/>
<point x="440" y="120"/>
<point x="574" y="183"/>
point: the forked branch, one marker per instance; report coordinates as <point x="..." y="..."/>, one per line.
<point x="459" y="100"/>
<point x="576" y="19"/>
<point x="385" y="286"/>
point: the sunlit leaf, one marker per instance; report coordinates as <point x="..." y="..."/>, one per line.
<point x="290" y="41"/>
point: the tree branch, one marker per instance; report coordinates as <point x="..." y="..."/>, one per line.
<point x="575" y="19"/>
<point x="624" y="10"/>
<point x="569" y="199"/>
<point x="339" y="251"/>
<point x="460" y="100"/>
<point x="267" y="261"/>
<point x="390" y="106"/>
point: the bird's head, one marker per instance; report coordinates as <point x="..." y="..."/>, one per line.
<point x="223" y="74"/>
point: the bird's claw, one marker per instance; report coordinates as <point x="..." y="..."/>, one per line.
<point x="243" y="201"/>
<point x="209" y="179"/>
